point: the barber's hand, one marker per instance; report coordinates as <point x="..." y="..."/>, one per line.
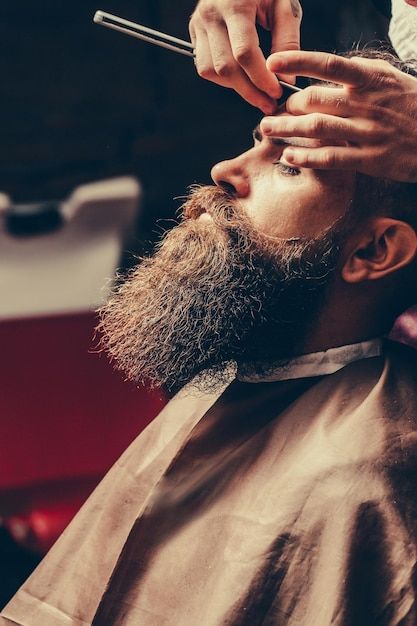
<point x="369" y="123"/>
<point x="227" y="45"/>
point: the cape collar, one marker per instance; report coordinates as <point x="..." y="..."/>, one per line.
<point x="314" y="364"/>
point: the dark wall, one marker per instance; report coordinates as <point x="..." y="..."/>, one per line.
<point x="81" y="102"/>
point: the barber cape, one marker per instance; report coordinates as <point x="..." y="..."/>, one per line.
<point x="403" y="30"/>
<point x="288" y="500"/>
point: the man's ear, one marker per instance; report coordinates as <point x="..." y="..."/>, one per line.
<point x="385" y="246"/>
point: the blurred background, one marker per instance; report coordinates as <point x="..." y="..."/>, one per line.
<point x="99" y="134"/>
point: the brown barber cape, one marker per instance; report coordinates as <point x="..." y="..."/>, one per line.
<point x="286" y="503"/>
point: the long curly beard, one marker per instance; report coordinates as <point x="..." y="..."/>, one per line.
<point x="215" y="291"/>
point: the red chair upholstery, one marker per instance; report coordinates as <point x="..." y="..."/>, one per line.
<point x="65" y="417"/>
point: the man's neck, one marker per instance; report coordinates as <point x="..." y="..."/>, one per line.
<point x="340" y="323"/>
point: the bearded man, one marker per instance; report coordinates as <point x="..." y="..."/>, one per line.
<point x="278" y="487"/>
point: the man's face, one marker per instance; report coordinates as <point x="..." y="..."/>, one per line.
<point x="281" y="200"/>
<point x="242" y="278"/>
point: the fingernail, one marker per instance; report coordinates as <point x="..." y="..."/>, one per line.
<point x="274" y="62"/>
<point x="266" y="125"/>
<point x="289" y="154"/>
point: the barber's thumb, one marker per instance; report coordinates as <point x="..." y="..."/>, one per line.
<point x="286" y="30"/>
<point x="270" y="63"/>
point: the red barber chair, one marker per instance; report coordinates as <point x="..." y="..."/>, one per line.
<point x="65" y="414"/>
<point x="405" y="328"/>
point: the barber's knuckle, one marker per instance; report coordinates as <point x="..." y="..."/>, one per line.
<point x="304" y="157"/>
<point x="204" y="70"/>
<point x="243" y="53"/>
<point x="377" y="131"/>
<point x="208" y="13"/>
<point x="290" y="44"/>
<point x="383" y="74"/>
<point x="383" y="66"/>
<point x="312" y="97"/>
<point x="225" y="69"/>
<point x="328" y="158"/>
<point x="332" y="65"/>
<point x="316" y="124"/>
<point x="372" y="113"/>
<point x="370" y="130"/>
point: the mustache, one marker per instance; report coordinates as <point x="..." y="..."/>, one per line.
<point x="215" y="201"/>
<point x="230" y="221"/>
<point x="229" y="216"/>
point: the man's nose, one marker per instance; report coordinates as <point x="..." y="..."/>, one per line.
<point x="231" y="176"/>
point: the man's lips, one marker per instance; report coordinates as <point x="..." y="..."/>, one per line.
<point x="412" y="3"/>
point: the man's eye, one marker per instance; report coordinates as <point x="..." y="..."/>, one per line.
<point x="287" y="169"/>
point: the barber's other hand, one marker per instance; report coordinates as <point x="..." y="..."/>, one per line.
<point x="369" y="123"/>
<point x="227" y="44"/>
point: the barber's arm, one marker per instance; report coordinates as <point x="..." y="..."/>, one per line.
<point x="227" y="45"/>
<point x="368" y="123"/>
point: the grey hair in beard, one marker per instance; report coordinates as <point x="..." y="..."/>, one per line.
<point x="215" y="292"/>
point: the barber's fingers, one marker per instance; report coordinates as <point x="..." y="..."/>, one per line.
<point x="327" y="157"/>
<point x="230" y="30"/>
<point x="321" y="126"/>
<point x="214" y="61"/>
<point x="245" y="48"/>
<point x="322" y="65"/>
<point x="285" y="30"/>
<point x="229" y="71"/>
<point x="332" y="100"/>
<point x="203" y="59"/>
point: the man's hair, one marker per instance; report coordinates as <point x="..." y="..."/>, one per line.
<point x="381" y="196"/>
